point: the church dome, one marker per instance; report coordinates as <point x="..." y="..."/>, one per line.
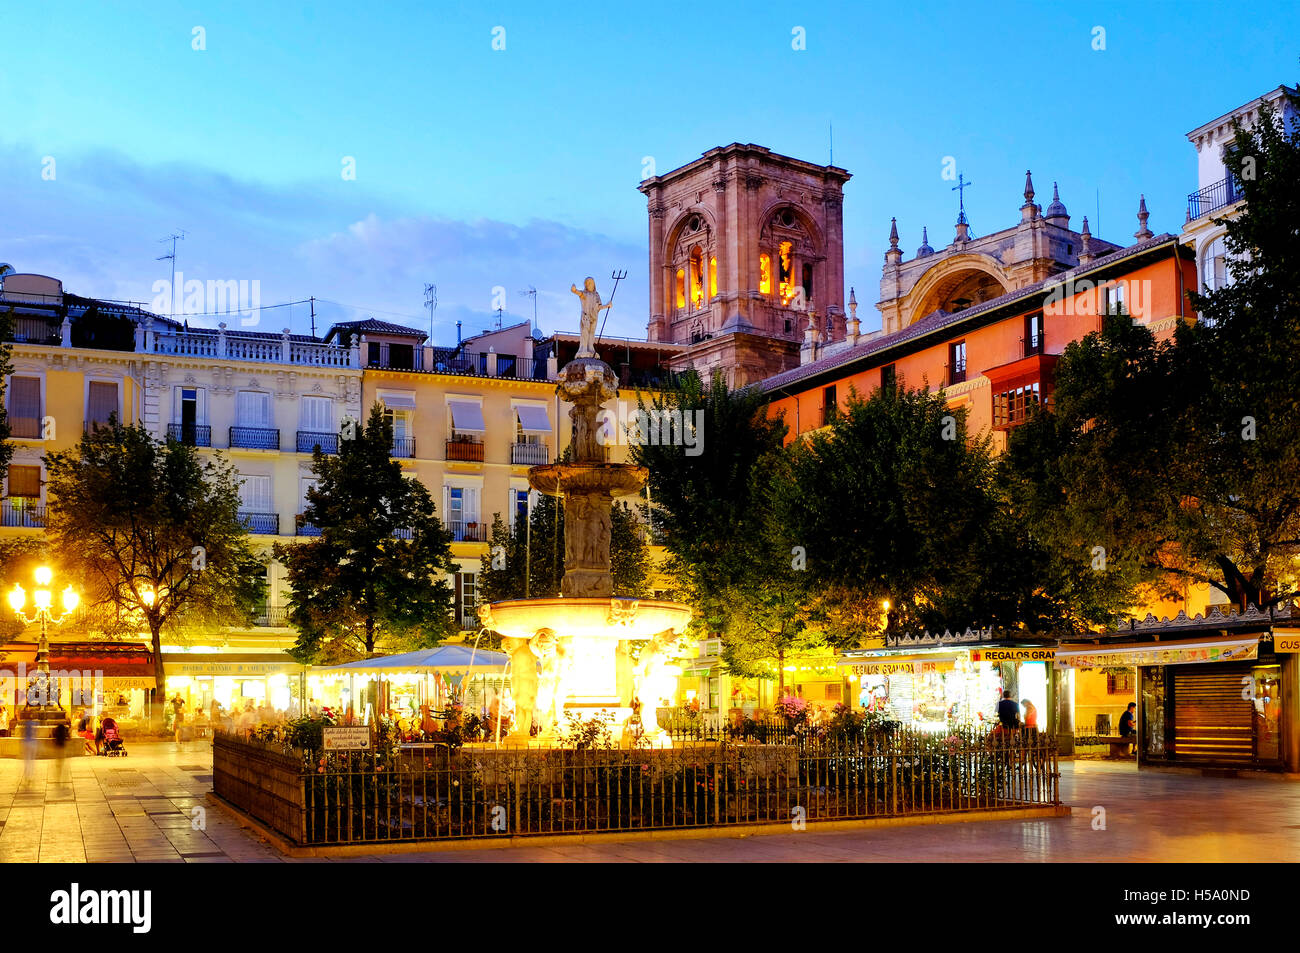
<point x="1056" y="209"/>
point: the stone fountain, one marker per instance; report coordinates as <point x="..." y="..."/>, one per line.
<point x="570" y="654"/>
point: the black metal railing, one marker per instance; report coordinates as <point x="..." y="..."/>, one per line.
<point x="460" y="448"/>
<point x="271" y="615"/>
<point x="463" y="531"/>
<point x="403" y="447"/>
<point x="255" y="438"/>
<point x="430" y="788"/>
<point x="22" y="511"/>
<point x="193" y="435"/>
<point x="1214" y="197"/>
<point x="530" y="454"/>
<point x="36" y="331"/>
<point x="309" y="440"/>
<point x="1033" y="344"/>
<point x="302" y="528"/>
<point x="538" y="370"/>
<point x="262" y="524"/>
<point x="507" y="365"/>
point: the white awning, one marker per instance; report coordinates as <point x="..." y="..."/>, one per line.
<point x="467" y="416"/>
<point x="532" y="418"/>
<point x="1158" y="653"/>
<point x="398" y="400"/>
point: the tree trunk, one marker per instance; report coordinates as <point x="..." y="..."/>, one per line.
<point x="780" y="674"/>
<point x="160" y="679"/>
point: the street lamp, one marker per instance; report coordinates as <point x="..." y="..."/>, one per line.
<point x="40" y="684"/>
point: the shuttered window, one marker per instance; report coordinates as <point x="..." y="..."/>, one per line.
<point x="318" y="415"/>
<point x="1212" y="721"/>
<point x="255" y="494"/>
<point x="253" y="409"/>
<point x="25" y="482"/>
<point x="25" y="407"/>
<point x="101" y="402"/>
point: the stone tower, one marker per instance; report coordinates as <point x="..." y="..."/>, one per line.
<point x="746" y="251"/>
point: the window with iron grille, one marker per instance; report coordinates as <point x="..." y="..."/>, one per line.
<point x="1013" y="407"/>
<point x="1119" y="683"/>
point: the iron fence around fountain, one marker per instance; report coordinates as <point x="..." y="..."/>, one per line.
<point x="434" y="793"/>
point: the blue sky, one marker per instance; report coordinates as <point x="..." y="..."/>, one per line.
<point x="479" y="168"/>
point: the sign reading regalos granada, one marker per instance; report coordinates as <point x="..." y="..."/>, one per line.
<point x="1013" y="655"/>
<point x="347" y="738"/>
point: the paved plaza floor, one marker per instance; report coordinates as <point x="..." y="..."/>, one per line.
<point x="142" y="808"/>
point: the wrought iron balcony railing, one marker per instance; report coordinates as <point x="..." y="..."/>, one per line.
<point x="1213" y="197"/>
<point x="272" y="615"/>
<point x="303" y="528"/>
<point x="255" y="438"/>
<point x="529" y="454"/>
<point x="403" y="447"/>
<point x="309" y="440"/>
<point x="462" y="449"/>
<point x="24" y="512"/>
<point x="194" y="435"/>
<point x="468" y="532"/>
<point x="261" y="524"/>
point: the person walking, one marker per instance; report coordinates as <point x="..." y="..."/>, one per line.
<point x="1008" y="712"/>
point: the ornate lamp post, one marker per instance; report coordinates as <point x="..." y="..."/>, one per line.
<point x="39" y="684"/>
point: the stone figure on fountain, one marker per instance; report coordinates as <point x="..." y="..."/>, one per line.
<point x="591" y="308"/>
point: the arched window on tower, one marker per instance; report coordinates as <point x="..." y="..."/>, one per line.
<point x="697" y="278"/>
<point x="713" y="276"/>
<point x="765" y="274"/>
<point x="785" y="277"/>
<point x="681" y="288"/>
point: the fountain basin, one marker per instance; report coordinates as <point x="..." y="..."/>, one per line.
<point x="616" y="479"/>
<point x="593" y="617"/>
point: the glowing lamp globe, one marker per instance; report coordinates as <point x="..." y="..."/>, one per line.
<point x="44" y="575"/>
<point x="17" y="598"/>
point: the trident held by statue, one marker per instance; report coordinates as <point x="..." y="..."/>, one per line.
<point x="617" y="276"/>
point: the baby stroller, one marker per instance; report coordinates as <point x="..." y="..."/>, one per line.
<point x="111" y="743"/>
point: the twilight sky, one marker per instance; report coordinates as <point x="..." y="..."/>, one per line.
<point x="479" y="168"/>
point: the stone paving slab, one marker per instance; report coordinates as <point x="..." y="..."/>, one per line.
<point x="106" y="810"/>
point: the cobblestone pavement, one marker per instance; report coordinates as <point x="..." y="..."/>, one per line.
<point x="142" y="807"/>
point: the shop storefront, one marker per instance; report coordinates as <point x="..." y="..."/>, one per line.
<point x="236" y="681"/>
<point x="1226" y="699"/>
<point x="112" y="679"/>
<point x="932" y="689"/>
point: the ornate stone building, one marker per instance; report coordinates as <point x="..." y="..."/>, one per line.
<point x="973" y="270"/>
<point x="744" y="245"/>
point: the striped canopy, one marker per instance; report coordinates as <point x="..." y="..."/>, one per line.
<point x="444" y="658"/>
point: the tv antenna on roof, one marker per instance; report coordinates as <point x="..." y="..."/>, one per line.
<point x="178" y="235"/>
<point x="532" y="293"/>
<point x="431" y="302"/>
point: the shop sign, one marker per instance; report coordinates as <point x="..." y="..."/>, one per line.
<point x="230" y="668"/>
<point x="347" y="737"/>
<point x="122" y="683"/>
<point x="1286" y="642"/>
<point x="1013" y="655"/>
<point x="1232" y="652"/>
<point x="901" y="668"/>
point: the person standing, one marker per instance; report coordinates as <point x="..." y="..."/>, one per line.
<point x="1008" y="712"/>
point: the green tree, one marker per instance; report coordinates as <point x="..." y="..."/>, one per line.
<point x="895" y="503"/>
<point x="151" y="532"/>
<point x="731" y="562"/>
<point x="377" y="572"/>
<point x="1175" y="463"/>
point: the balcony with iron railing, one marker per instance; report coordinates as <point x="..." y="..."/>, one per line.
<point x="957" y="373"/>
<point x="468" y="531"/>
<point x="529" y="454"/>
<point x="24" y="512"/>
<point x="1210" y="199"/>
<point x="309" y="440"/>
<point x="462" y="447"/>
<point x="261" y="524"/>
<point x="403" y="447"/>
<point x="255" y="438"/>
<point x="1032" y="344"/>
<point x="194" y="435"/>
<point x="303" y="528"/>
<point x="271" y="616"/>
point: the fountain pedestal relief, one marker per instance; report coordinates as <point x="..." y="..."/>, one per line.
<point x="570" y="654"/>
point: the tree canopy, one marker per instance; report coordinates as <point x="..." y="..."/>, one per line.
<point x="377" y="571"/>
